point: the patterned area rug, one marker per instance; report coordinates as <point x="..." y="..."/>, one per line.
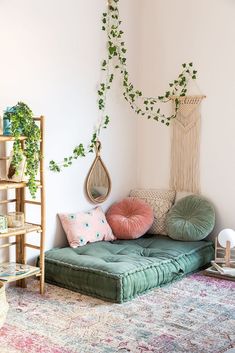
<point x="196" y="314"/>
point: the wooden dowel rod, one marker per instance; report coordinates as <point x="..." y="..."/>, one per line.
<point x="42" y="194"/>
<point x="7" y="245"/>
<point x="32" y="202"/>
<point x="35" y="224"/>
<point x="32" y="246"/>
<point x="196" y="96"/>
<point x="4" y="158"/>
<point x="7" y="201"/>
<point x="227" y="253"/>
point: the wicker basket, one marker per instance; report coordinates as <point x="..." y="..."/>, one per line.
<point x="3" y="304"/>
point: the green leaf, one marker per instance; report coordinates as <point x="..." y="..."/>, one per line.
<point x="112" y="50"/>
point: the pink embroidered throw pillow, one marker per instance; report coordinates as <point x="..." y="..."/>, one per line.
<point x="86" y="227"/>
<point x="130" y="218"/>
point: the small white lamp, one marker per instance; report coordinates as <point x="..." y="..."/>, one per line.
<point x="226" y="239"/>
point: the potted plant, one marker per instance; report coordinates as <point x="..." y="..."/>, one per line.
<point x="19" y="121"/>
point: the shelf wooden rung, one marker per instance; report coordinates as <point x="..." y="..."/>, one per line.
<point x="32" y="202"/>
<point x="34" y="271"/>
<point x="4" y="158"/>
<point x="35" y="224"/>
<point x="7" y="201"/>
<point x="6" y="138"/>
<point x="28" y="228"/>
<point x="32" y="246"/>
<point x="5" y="185"/>
<point x="7" y="245"/>
<point x="222" y="261"/>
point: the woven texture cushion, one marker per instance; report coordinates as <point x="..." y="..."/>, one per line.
<point x="191" y="219"/>
<point x="86" y="227"/>
<point x="120" y="270"/>
<point x="161" y="201"/>
<point x="130" y="218"/>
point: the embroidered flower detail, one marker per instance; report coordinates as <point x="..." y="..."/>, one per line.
<point x="72" y="216"/>
<point x="81" y="241"/>
<point x="97" y="235"/>
<point x="86" y="225"/>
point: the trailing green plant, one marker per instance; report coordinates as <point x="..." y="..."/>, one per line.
<point x="143" y="106"/>
<point x="22" y="123"/>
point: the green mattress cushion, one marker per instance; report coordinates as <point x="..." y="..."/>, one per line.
<point x="120" y="270"/>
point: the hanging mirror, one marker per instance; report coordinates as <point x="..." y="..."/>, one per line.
<point x="98" y="182"/>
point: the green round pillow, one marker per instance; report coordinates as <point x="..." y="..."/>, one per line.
<point x="190" y="219"/>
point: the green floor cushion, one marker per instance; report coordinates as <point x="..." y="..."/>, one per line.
<point x="120" y="270"/>
<point x="191" y="219"/>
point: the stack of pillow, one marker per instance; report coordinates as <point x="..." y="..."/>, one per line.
<point x="151" y="211"/>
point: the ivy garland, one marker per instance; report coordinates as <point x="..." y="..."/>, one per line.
<point x="142" y="106"/>
<point x="22" y="123"/>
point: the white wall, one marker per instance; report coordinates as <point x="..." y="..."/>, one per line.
<point x="50" y="58"/>
<point x="180" y="31"/>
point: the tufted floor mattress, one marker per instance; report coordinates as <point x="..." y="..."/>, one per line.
<point x="118" y="271"/>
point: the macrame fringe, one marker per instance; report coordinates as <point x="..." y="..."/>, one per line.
<point x="185" y="146"/>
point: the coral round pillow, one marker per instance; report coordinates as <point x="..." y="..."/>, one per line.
<point x="190" y="219"/>
<point x="130" y="218"/>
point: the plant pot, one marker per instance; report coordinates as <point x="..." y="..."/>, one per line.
<point x="3" y="304"/>
<point x="6" y="127"/>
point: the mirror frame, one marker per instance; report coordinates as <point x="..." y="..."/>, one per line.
<point x="88" y="193"/>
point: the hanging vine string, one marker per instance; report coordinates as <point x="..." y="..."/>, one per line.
<point x="116" y="61"/>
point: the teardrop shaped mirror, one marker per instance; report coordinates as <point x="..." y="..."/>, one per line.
<point x="98" y="182"/>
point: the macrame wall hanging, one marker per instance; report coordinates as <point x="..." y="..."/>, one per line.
<point x="185" y="145"/>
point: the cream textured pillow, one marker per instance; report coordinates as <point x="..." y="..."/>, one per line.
<point x="161" y="201"/>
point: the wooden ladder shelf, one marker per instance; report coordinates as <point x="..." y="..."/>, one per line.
<point x="20" y="201"/>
